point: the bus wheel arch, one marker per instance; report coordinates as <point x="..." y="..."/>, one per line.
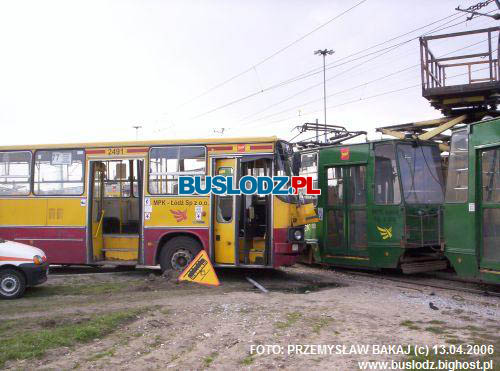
<point x="176" y="250"/>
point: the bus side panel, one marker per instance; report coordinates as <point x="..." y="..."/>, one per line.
<point x="55" y="225"/>
<point x="63" y="245"/>
<point x="153" y="237"/>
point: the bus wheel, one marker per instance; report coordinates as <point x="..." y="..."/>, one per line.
<point x="178" y="253"/>
<point x="12" y="284"/>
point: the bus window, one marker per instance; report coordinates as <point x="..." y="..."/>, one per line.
<point x="119" y="178"/>
<point x="225" y="203"/>
<point x="15" y="172"/>
<point x="386" y="176"/>
<point x="167" y="163"/>
<point x="59" y="172"/>
<point x="283" y="167"/>
<point x="457" y="183"/>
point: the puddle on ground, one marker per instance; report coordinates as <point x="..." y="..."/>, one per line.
<point x="305" y="288"/>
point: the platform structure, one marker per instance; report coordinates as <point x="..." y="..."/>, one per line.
<point x="462" y="83"/>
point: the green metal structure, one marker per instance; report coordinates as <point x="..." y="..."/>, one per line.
<point x="472" y="204"/>
<point x="380" y="205"/>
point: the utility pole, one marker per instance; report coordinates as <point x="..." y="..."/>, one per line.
<point x="137" y="127"/>
<point x="324" y="53"/>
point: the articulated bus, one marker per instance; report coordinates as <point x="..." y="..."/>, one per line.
<point x="380" y="205"/>
<point x="118" y="204"/>
<point x="472" y="204"/>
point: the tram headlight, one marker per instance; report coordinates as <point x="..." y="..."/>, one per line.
<point x="296" y="234"/>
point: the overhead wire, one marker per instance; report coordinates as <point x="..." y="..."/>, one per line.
<point x="376" y="95"/>
<point x="359" y="85"/>
<point x="264" y="60"/>
<point x="286" y="82"/>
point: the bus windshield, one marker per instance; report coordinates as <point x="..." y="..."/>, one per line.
<point x="421" y="175"/>
<point x="283" y="166"/>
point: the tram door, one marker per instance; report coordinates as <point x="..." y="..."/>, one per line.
<point x="225" y="218"/>
<point x="346" y="211"/>
<point x="489" y="208"/>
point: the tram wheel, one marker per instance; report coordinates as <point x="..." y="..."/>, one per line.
<point x="178" y="253"/>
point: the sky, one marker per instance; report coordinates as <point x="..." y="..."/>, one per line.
<point x="83" y="71"/>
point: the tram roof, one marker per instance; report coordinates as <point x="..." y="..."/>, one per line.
<point x="383" y="140"/>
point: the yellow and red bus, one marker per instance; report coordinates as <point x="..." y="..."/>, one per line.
<point x="117" y="203"/>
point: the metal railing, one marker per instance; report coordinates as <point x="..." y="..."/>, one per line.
<point x="434" y="71"/>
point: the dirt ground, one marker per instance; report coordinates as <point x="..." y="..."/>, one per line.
<point x="189" y="327"/>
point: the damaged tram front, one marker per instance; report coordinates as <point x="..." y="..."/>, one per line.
<point x="380" y="205"/>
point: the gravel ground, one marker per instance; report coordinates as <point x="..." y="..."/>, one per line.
<point x="187" y="326"/>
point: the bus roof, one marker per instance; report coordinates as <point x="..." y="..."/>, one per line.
<point x="144" y="143"/>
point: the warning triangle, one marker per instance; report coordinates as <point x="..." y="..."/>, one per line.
<point x="200" y="270"/>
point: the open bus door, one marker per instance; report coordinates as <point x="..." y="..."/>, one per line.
<point x="225" y="218"/>
<point x="96" y="204"/>
<point x="489" y="208"/>
<point x="115" y="212"/>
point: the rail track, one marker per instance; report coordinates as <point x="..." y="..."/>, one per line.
<point x="438" y="280"/>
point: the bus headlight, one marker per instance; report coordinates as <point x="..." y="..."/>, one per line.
<point x="296" y="234"/>
<point x="38" y="260"/>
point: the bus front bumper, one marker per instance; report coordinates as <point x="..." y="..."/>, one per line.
<point x="286" y="254"/>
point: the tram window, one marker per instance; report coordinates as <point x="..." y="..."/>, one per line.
<point x="15" y="172"/>
<point x="490" y="164"/>
<point x="309" y="167"/>
<point x="457" y="184"/>
<point x="491" y="234"/>
<point x="386" y="176"/>
<point x="167" y="163"/>
<point x="357" y="185"/>
<point x="335" y="228"/>
<point x="357" y="229"/>
<point x="421" y="174"/>
<point x="335" y="186"/>
<point x="59" y="172"/>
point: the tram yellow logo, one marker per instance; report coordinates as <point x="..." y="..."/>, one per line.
<point x="386" y="233"/>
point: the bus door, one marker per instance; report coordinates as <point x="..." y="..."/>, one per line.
<point x="96" y="204"/>
<point x="346" y="211"/>
<point x="225" y="218"/>
<point x="115" y="201"/>
<point x="489" y="208"/>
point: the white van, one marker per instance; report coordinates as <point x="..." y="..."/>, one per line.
<point x="20" y="266"/>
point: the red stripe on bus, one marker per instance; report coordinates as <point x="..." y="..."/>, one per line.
<point x="261" y="147"/>
<point x="221" y="148"/>
<point x="11" y="258"/>
<point x="136" y="150"/>
<point x="95" y="151"/>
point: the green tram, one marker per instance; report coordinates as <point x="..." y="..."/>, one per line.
<point x="472" y="203"/>
<point x="380" y="205"/>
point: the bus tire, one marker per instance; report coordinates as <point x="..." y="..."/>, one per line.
<point x="177" y="253"/>
<point x="12" y="284"/>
